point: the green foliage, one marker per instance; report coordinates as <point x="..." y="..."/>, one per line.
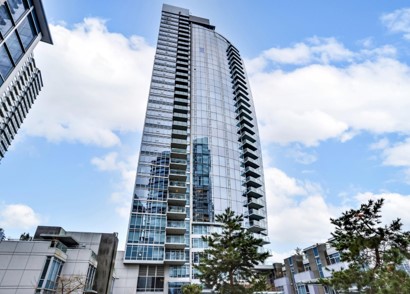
<point x="25" y="237"/>
<point x="372" y="251"/>
<point x="230" y="256"/>
<point x="191" y="289"/>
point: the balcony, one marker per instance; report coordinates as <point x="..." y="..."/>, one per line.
<point x="249" y="144"/>
<point x="250" y="171"/>
<point x="176" y="213"/>
<point x="178" y="143"/>
<point x="248" y="160"/>
<point x="177" y="187"/>
<point x="181" y="108"/>
<point x="180" y="117"/>
<point x="254" y="214"/>
<point x="175" y="242"/>
<point x="247" y="136"/>
<point x="243" y="107"/>
<point x="246" y="129"/>
<point x="254" y="203"/>
<point x="177" y="175"/>
<point x="180" y="125"/>
<point x="241" y="97"/>
<point x="237" y="68"/>
<point x="174" y="257"/>
<point x="242" y="113"/>
<point x="245" y="121"/>
<point x="178" y="153"/>
<point x="237" y="72"/>
<point x="181" y="94"/>
<point x="252" y="182"/>
<point x="253" y="192"/>
<point x="181" y="101"/>
<point x="175" y="228"/>
<point x="240" y="91"/>
<point x="179" y="134"/>
<point x="255" y="226"/>
<point x="238" y="77"/>
<point x="177" y="199"/>
<point x="235" y="62"/>
<point x="177" y="163"/>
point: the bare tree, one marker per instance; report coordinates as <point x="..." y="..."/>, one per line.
<point x="70" y="284"/>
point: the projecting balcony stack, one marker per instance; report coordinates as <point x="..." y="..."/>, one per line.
<point x="177" y="189"/>
<point x="247" y="137"/>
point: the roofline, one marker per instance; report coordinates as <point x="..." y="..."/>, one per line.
<point x="42" y="19"/>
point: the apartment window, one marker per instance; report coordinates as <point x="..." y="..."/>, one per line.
<point x="5" y="20"/>
<point x="89" y="281"/>
<point x="150" y="279"/>
<point x="51" y="272"/>
<point x="334" y="258"/>
<point x="13" y="44"/>
<point x="27" y="31"/>
<point x="5" y="62"/>
<point x="17" y="8"/>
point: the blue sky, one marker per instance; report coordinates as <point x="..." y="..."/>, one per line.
<point x="331" y="86"/>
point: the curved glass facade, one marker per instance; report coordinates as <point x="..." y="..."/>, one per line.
<point x="200" y="152"/>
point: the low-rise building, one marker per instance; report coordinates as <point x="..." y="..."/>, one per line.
<point x="300" y="272"/>
<point x="55" y="259"/>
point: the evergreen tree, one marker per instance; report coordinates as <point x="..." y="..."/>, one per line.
<point x="373" y="252"/>
<point x="191" y="289"/>
<point x="231" y="256"/>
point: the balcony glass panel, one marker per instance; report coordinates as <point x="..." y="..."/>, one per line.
<point x="14" y="47"/>
<point x="5" y="20"/>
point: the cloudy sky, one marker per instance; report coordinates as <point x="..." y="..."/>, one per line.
<point x="331" y="84"/>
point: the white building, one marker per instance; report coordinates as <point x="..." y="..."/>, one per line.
<point x="57" y="259"/>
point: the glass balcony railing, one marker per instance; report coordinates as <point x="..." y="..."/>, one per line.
<point x="178" y="161"/>
<point x="177" y="196"/>
<point x="177" y="184"/>
<point x="175" y="239"/>
<point x="176" y="209"/>
<point x="176" y="224"/>
<point x="175" y="255"/>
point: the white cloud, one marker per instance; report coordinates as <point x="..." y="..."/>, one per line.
<point x="18" y="216"/>
<point x="322" y="50"/>
<point x="125" y="170"/>
<point x="301" y="156"/>
<point x="317" y="102"/>
<point x="297" y="212"/>
<point x="398" y="155"/>
<point x="398" y="21"/>
<point x="96" y="85"/>
<point x="381" y="144"/>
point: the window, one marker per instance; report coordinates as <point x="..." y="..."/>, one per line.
<point x="334" y="258"/>
<point x="17" y="8"/>
<point x="150" y="279"/>
<point x="5" y="63"/>
<point x="89" y="281"/>
<point x="14" y="47"/>
<point x="26" y="31"/>
<point x="5" y="20"/>
<point x="50" y="273"/>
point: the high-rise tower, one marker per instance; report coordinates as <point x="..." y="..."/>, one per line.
<point x="200" y="153"/>
<point x="22" y="25"/>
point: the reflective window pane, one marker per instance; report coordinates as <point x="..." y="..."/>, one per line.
<point x="5" y="20"/>
<point x="26" y="31"/>
<point x="17" y="8"/>
<point x="14" y="47"/>
<point x="5" y="63"/>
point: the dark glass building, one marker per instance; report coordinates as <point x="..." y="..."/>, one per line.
<point x="22" y="25"/>
<point x="200" y="153"/>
